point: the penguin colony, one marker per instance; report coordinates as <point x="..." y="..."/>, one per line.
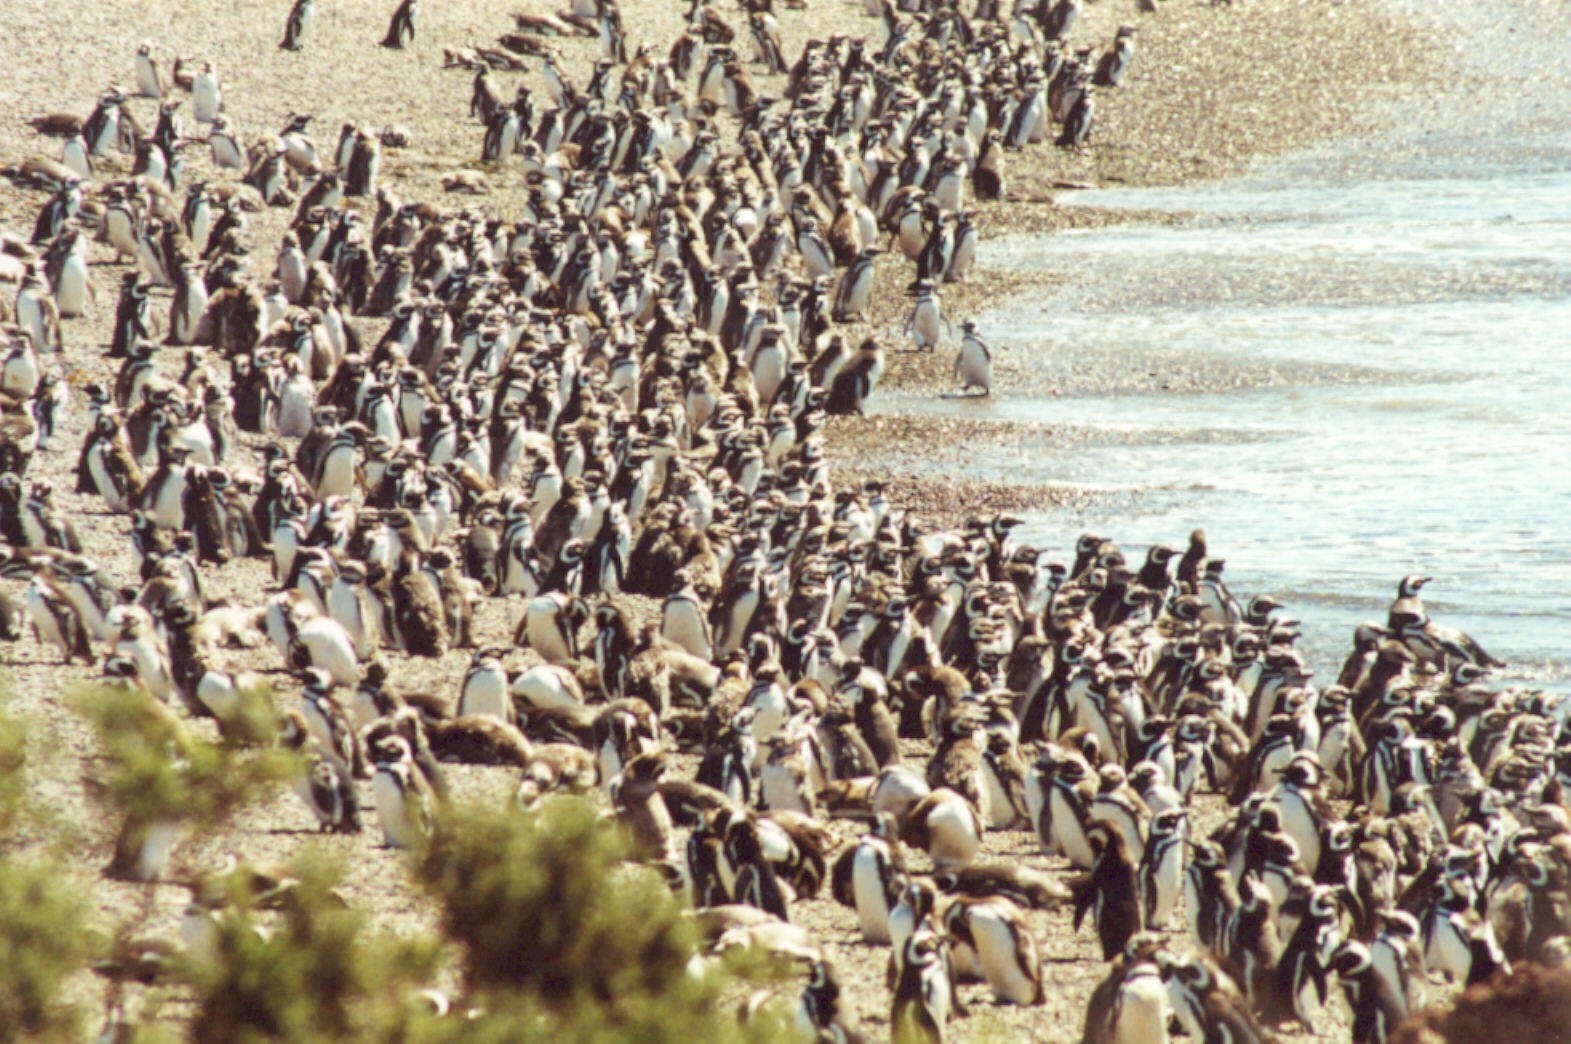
<point x="620" y="396"/>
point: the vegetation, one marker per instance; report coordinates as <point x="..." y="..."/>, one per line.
<point x="41" y="937"/>
<point x="562" y="939"/>
<point x="161" y="779"/>
<point x="549" y="930"/>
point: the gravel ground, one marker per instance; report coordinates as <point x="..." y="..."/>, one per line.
<point x="1212" y="88"/>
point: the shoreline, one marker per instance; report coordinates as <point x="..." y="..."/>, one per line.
<point x="1147" y="136"/>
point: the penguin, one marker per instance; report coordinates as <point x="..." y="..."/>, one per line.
<point x="322" y="642"/>
<point x="877" y="869"/>
<point x="550" y="626"/>
<point x="756" y="883"/>
<point x="485" y="688"/>
<point x="1114" y="64"/>
<point x="224" y="142"/>
<point x="206" y="95"/>
<point x="301" y="17"/>
<point x="685" y="623"/>
<point x="1398" y="957"/>
<point x="37" y="313"/>
<point x="55" y="620"/>
<point x="364" y="163"/>
<point x="946" y="826"/>
<point x="1111" y="891"/>
<point x="329" y="723"/>
<point x="404" y="800"/>
<point x="322" y="780"/>
<point x="855" y="379"/>
<point x="150" y="79"/>
<point x="1162" y="866"/>
<point x="1077" y="127"/>
<point x="1131" y="1005"/>
<point x="996" y="931"/>
<point x="1209" y="1004"/>
<point x="107" y="466"/>
<point x="1377" y="1010"/>
<point x="401" y="28"/>
<point x="927" y="322"/>
<point x="987" y="177"/>
<point x="419" y="615"/>
<point x="818" y="1014"/>
<point x="1300" y="975"/>
<point x="855" y="291"/>
<point x="974" y="361"/>
<point x="924" y="996"/>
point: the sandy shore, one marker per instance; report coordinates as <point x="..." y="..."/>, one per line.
<point x="1212" y="88"/>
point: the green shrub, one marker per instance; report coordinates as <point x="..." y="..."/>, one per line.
<point x="316" y="971"/>
<point x="41" y="936"/>
<point x="13" y="757"/>
<point x="162" y="778"/>
<point x="41" y="942"/>
<point x="562" y="939"/>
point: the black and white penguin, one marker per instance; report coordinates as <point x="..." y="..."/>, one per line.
<point x="1377" y="1009"/>
<point x="946" y="826"/>
<point x="995" y="930"/>
<point x="1077" y="126"/>
<point x="974" y="361"/>
<point x="1114" y="64"/>
<point x="924" y="997"/>
<point x="55" y="620"/>
<point x="150" y="79"/>
<point x="324" y="782"/>
<point x="1300" y="986"/>
<point x="877" y="869"/>
<point x="485" y="688"/>
<point x="1131" y="1005"/>
<point x="301" y="18"/>
<point x="404" y="801"/>
<point x="1162" y="866"/>
<point x="927" y="323"/>
<point x="854" y="294"/>
<point x="107" y="467"/>
<point x="401" y="28"/>
<point x="550" y="626"/>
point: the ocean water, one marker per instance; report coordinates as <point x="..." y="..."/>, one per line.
<point x="1435" y="264"/>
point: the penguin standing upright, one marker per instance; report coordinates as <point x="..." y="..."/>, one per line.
<point x="206" y="96"/>
<point x="927" y="321"/>
<point x="1110" y="891"/>
<point x="404" y="800"/>
<point x="877" y="872"/>
<point x="364" y="162"/>
<point x="924" y="995"/>
<point x="150" y="79"/>
<point x="401" y="29"/>
<point x="301" y="17"/>
<point x="1077" y="127"/>
<point x="974" y="361"/>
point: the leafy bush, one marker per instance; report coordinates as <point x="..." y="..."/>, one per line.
<point x="41" y="936"/>
<point x="41" y="942"/>
<point x="317" y="972"/>
<point x="163" y="779"/>
<point x="13" y="757"/>
<point x="562" y="939"/>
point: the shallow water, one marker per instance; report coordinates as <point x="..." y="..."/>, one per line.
<point x="1440" y="258"/>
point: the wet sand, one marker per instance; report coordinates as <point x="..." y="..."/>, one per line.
<point x="1211" y="89"/>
